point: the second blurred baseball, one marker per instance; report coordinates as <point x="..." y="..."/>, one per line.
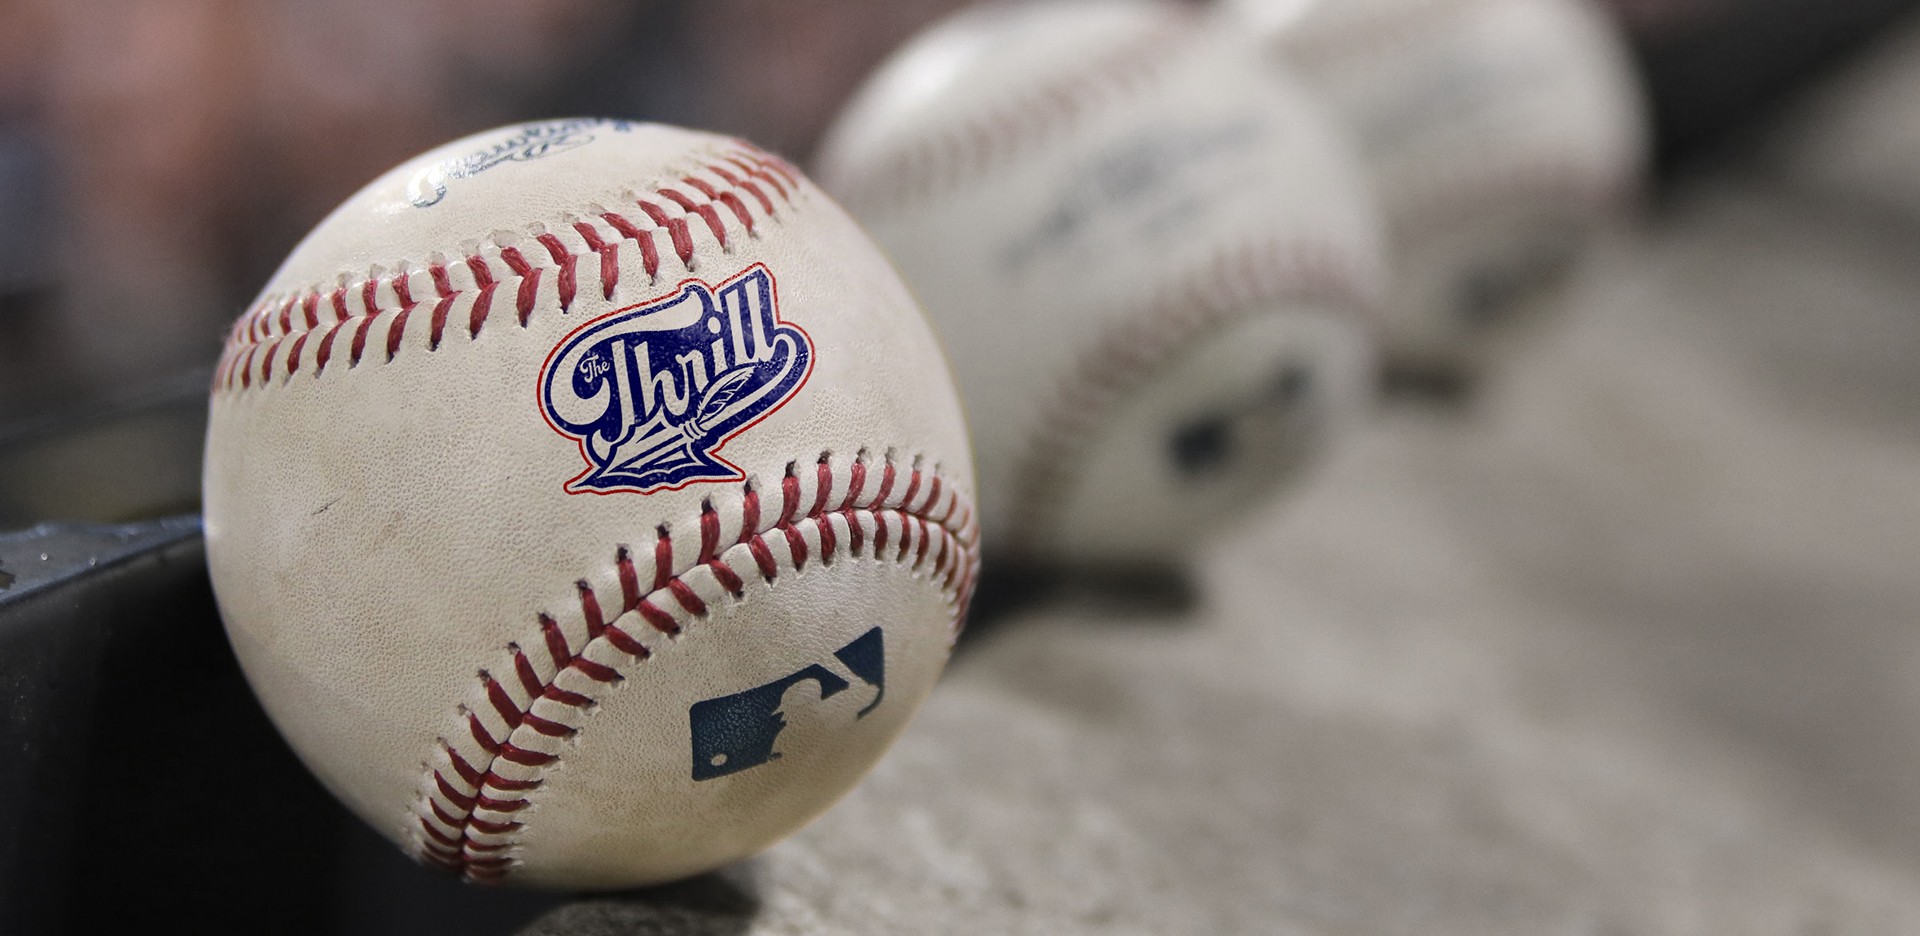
<point x="1145" y="253"/>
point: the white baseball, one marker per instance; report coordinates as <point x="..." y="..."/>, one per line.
<point x="588" y="503"/>
<point x="1146" y="254"/>
<point x="1499" y="134"/>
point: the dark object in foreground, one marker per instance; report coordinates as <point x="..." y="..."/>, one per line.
<point x="1012" y="588"/>
<point x="1715" y="76"/>
<point x="149" y="786"/>
<point x="157" y="790"/>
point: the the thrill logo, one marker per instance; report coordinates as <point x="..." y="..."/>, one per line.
<point x="650" y="391"/>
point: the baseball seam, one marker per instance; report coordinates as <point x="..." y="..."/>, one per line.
<point x="951" y="156"/>
<point x="312" y="324"/>
<point x="468" y="812"/>
<point x="1232" y="284"/>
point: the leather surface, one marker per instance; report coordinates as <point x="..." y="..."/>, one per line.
<point x="386" y="536"/>
<point x="1497" y="133"/>
<point x="1085" y="195"/>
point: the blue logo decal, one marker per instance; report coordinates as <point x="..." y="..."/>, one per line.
<point x="651" y="390"/>
<point x="735" y="732"/>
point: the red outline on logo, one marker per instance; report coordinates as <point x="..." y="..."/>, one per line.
<point x="540" y="385"/>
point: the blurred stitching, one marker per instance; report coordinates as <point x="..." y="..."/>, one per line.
<point x="973" y="145"/>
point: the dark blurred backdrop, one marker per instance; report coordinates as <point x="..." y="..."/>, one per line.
<point x="158" y="158"/>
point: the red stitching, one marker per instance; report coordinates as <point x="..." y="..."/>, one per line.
<point x="293" y="353"/>
<point x="442" y="283"/>
<point x="563" y="260"/>
<point x="760" y="172"/>
<point x="748" y="187"/>
<point x="662" y="560"/>
<point x="856" y="537"/>
<point x="688" y="599"/>
<point x="913" y="485"/>
<point x="749" y="514"/>
<point x="796" y="548"/>
<point x="403" y="290"/>
<point x="529" y="282"/>
<point x="709" y="531"/>
<point x="272" y="322"/>
<point x="359" y="345"/>
<point x="828" y="541"/>
<point x="629" y="579"/>
<point x="483" y="279"/>
<point x="790" y="494"/>
<point x="657" y="619"/>
<point x="397" y="329"/>
<point x="523" y="669"/>
<point x="439" y="326"/>
<point x="728" y="579"/>
<point x="949" y="157"/>
<point x="676" y="230"/>
<point x="856" y="479"/>
<point x="823" y="485"/>
<point x="590" y="610"/>
<point x="467" y="806"/>
<point x="763" y="558"/>
<point x="368" y="291"/>
<point x="649" y="254"/>
<point x="879" y="538"/>
<point x="705" y="212"/>
<point x="556" y="641"/>
<point x="886" y="485"/>
<point x="721" y="196"/>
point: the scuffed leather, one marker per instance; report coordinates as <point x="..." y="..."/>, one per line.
<point x="380" y="533"/>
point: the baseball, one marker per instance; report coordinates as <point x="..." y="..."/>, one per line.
<point x="1498" y="134"/>
<point x="588" y="503"/>
<point x="1148" y="257"/>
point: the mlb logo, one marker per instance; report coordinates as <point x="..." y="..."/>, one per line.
<point x="741" y="731"/>
<point x="650" y="391"/>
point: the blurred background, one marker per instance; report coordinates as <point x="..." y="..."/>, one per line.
<point x="157" y="159"/>
<point x="1625" y="643"/>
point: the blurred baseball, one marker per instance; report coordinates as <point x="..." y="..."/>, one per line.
<point x="1499" y="135"/>
<point x="588" y="503"/>
<point x="1146" y="254"/>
